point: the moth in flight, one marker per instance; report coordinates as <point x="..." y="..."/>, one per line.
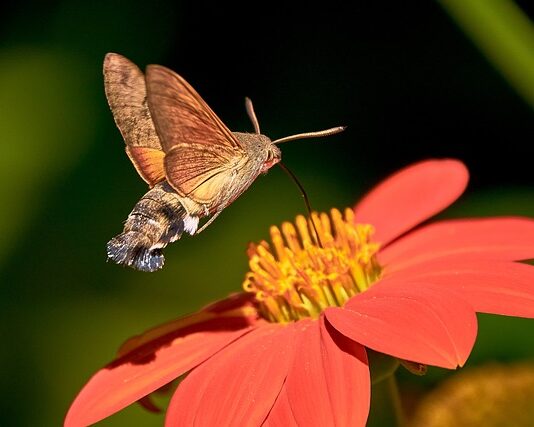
<point x="194" y="165"/>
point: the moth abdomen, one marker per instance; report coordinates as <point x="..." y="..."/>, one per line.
<point x="156" y="220"/>
<point x="135" y="249"/>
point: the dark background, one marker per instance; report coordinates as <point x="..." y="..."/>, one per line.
<point x="404" y="78"/>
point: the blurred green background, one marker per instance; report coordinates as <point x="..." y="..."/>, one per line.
<point x="404" y="77"/>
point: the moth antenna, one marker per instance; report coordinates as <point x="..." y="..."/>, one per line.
<point x="326" y="132"/>
<point x="306" y="201"/>
<point x="252" y="115"/>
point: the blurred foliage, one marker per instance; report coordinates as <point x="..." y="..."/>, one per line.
<point x="493" y="395"/>
<point x="504" y="33"/>
<point x="37" y="153"/>
<point x="405" y="80"/>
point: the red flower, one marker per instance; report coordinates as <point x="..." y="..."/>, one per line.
<point x="291" y="349"/>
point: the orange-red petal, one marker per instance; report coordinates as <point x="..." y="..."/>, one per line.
<point x="414" y="321"/>
<point x="505" y="239"/>
<point x="281" y="414"/>
<point x="329" y="382"/>
<point x="498" y="287"/>
<point x="236" y="306"/>
<point x="411" y="196"/>
<point x="237" y="386"/>
<point x="149" y="361"/>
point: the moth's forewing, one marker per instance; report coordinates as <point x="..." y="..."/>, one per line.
<point x="204" y="175"/>
<point x="201" y="152"/>
<point x="180" y="114"/>
<point x="125" y="90"/>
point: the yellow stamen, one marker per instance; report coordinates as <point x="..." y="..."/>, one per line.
<point x="300" y="278"/>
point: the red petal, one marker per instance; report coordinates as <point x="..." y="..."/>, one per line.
<point x="148" y="403"/>
<point x="237" y="386"/>
<point x="413" y="321"/>
<point x="153" y="360"/>
<point x="505" y="239"/>
<point x="347" y="375"/>
<point x="281" y="414"/>
<point x="490" y="286"/>
<point x="329" y="381"/>
<point x="411" y="196"/>
<point x="237" y="306"/>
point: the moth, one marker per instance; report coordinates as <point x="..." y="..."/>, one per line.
<point x="194" y="165"/>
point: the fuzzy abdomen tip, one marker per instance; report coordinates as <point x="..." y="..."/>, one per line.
<point x="136" y="250"/>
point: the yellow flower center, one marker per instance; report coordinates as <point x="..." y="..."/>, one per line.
<point x="303" y="275"/>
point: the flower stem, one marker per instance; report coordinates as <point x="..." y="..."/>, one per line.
<point x="394" y="396"/>
<point x="386" y="406"/>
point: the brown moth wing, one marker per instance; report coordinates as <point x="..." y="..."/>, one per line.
<point x="148" y="163"/>
<point x="201" y="152"/>
<point x="205" y="176"/>
<point x="125" y="90"/>
<point x="181" y="115"/>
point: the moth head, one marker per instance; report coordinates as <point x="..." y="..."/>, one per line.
<point x="274" y="155"/>
<point x="273" y="152"/>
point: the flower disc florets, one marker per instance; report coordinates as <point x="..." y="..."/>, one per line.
<point x="311" y="268"/>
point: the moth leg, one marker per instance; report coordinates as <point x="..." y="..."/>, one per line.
<point x="215" y="215"/>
